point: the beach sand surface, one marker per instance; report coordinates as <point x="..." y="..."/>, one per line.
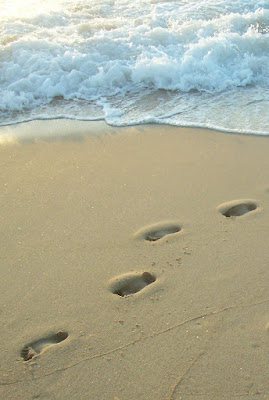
<point x="134" y="263"/>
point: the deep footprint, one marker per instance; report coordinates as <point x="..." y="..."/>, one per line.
<point x="32" y="349"/>
<point x="236" y="208"/>
<point x="125" y="285"/>
<point x="156" y="232"/>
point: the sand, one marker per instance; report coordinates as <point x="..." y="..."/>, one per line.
<point x="134" y="263"/>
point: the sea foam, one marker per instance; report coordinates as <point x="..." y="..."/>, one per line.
<point x="115" y="61"/>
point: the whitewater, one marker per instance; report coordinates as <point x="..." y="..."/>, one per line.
<point x="187" y="63"/>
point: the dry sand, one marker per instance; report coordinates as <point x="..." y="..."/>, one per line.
<point x="89" y="218"/>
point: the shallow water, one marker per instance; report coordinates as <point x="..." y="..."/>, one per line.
<point x="193" y="63"/>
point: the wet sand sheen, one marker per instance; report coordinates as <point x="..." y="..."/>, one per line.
<point x="138" y="257"/>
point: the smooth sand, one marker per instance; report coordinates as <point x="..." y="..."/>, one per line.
<point x="84" y="215"/>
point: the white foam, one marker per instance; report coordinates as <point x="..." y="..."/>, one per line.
<point x="117" y="53"/>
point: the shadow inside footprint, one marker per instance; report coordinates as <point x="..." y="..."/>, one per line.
<point x="156" y="232"/>
<point x="125" y="285"/>
<point x="32" y="349"/>
<point x="237" y="208"/>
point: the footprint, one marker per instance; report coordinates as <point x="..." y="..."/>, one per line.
<point x="127" y="284"/>
<point x="155" y="232"/>
<point x="33" y="349"/>
<point x="237" y="208"/>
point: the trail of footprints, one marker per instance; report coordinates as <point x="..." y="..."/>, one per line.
<point x="131" y="283"/>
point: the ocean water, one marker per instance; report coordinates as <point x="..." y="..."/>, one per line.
<point x="202" y="63"/>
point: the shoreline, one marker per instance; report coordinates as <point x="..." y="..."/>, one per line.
<point x="134" y="263"/>
<point x="19" y="131"/>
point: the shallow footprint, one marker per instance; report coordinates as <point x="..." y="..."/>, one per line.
<point x="158" y="231"/>
<point x="237" y="208"/>
<point x="127" y="284"/>
<point x="32" y="349"/>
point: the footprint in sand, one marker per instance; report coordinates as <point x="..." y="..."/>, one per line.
<point x="32" y="349"/>
<point x="152" y="233"/>
<point x="237" y="208"/>
<point x="127" y="284"/>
